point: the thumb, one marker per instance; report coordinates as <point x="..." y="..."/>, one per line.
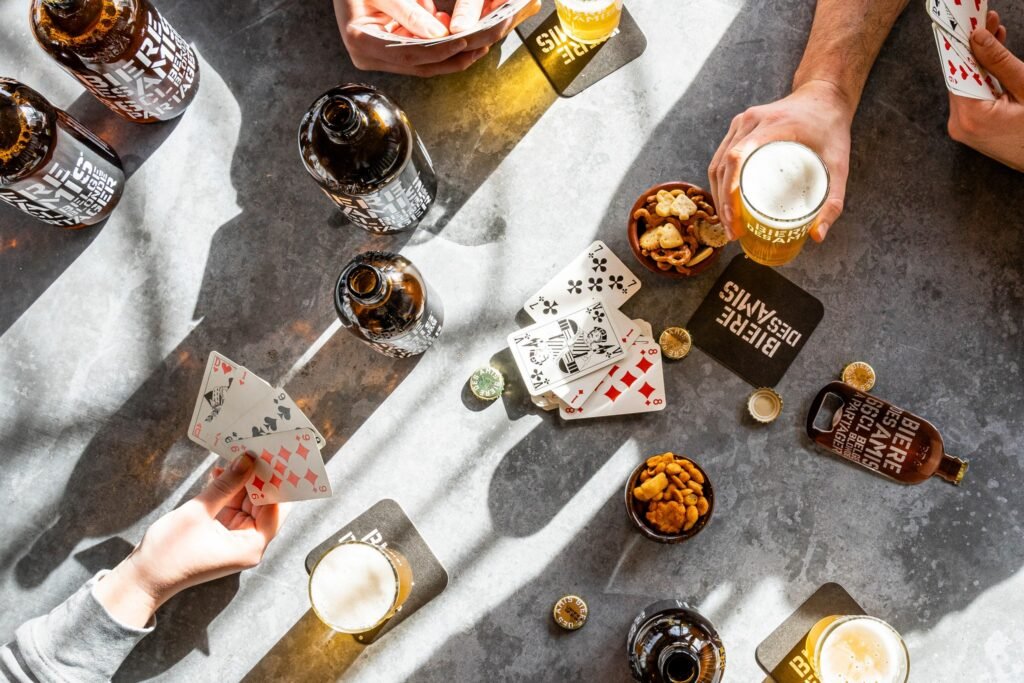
<point x="999" y="61"/>
<point x="830" y="212"/>
<point x="227" y="485"/>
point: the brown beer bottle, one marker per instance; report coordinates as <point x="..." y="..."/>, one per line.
<point x="879" y="436"/>
<point x="383" y="300"/>
<point x="123" y="52"/>
<point x="52" y="167"/>
<point x="670" y="642"/>
<point x="362" y="150"/>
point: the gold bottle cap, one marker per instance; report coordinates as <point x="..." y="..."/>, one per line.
<point x="859" y="375"/>
<point x="486" y="383"/>
<point x="570" y="612"/>
<point x="764" y="405"/>
<point x="675" y="342"/>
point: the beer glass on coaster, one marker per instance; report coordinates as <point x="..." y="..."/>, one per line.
<point x="857" y="649"/>
<point x="357" y="586"/>
<point x="589" y="21"/>
<point x="783" y="186"/>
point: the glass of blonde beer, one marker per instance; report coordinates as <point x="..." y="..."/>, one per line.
<point x="357" y="586"/>
<point x="783" y="186"/>
<point x="857" y="649"/>
<point x="589" y="21"/>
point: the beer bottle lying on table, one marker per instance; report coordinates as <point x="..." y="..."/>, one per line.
<point x="879" y="436"/>
<point x="123" y="52"/>
<point x="51" y="166"/>
<point x="384" y="301"/>
<point x="361" y="149"/>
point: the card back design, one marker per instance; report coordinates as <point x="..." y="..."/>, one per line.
<point x="754" y="321"/>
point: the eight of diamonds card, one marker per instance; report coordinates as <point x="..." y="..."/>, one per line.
<point x="288" y="467"/>
<point x="634" y="385"/>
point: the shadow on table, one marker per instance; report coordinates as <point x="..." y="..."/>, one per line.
<point x="325" y="654"/>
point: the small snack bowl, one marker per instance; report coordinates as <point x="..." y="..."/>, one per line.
<point x="669" y="470"/>
<point x="668" y="244"/>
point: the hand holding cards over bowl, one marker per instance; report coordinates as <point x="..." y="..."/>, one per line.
<point x="431" y="41"/>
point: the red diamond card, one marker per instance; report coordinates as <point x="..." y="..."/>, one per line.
<point x="634" y="385"/>
<point x="288" y="467"/>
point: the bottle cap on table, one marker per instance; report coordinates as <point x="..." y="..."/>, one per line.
<point x="486" y="383"/>
<point x="859" y="375"/>
<point x="764" y="405"/>
<point x="675" y="342"/>
<point x="570" y="612"/>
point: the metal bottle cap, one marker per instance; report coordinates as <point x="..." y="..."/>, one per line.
<point x="570" y="612"/>
<point x="486" y="383"/>
<point x="859" y="375"/>
<point x="764" y="405"/>
<point x="675" y="342"/>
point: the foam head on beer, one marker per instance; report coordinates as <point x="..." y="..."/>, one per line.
<point x="862" y="651"/>
<point x="784" y="181"/>
<point x="354" y="587"/>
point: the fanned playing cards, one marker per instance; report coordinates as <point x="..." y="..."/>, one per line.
<point x="953" y="21"/>
<point x="236" y="412"/>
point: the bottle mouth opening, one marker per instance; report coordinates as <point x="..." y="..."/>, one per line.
<point x="681" y="667"/>
<point x="365" y="283"/>
<point x="340" y="115"/>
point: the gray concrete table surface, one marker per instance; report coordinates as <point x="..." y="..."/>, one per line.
<point x="222" y="242"/>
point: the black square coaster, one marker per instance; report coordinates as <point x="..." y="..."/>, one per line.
<point x="573" y="67"/>
<point x="782" y="654"/>
<point x="384" y="523"/>
<point x="754" y="321"/>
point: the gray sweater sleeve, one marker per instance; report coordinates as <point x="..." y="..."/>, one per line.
<point x="77" y="642"/>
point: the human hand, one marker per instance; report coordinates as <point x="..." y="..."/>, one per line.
<point x="217" y="533"/>
<point x="816" y="114"/>
<point x="994" y="128"/>
<point x="419" y="18"/>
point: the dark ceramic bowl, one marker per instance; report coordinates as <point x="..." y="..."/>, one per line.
<point x="636" y="509"/>
<point x="635" y="230"/>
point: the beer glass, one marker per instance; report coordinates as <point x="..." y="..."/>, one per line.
<point x="857" y="649"/>
<point x="357" y="586"/>
<point x="783" y="186"/>
<point x="589" y="21"/>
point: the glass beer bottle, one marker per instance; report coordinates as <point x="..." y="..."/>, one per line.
<point x="879" y="436"/>
<point x="362" y="150"/>
<point x="51" y="166"/>
<point x="670" y="642"/>
<point x="384" y="301"/>
<point x="123" y="52"/>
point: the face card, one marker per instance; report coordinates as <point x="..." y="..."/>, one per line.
<point x="288" y="467"/>
<point x="965" y="16"/>
<point x="962" y="73"/>
<point x="226" y="392"/>
<point x="554" y="352"/>
<point x="941" y="15"/>
<point x="597" y="272"/>
<point x="275" y="412"/>
<point x="634" y="385"/>
<point x="576" y="392"/>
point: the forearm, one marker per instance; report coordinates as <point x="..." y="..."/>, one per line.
<point x="845" y="39"/>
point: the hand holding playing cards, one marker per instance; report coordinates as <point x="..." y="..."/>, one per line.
<point x="215" y="534"/>
<point x="993" y="127"/>
<point x="815" y="114"/>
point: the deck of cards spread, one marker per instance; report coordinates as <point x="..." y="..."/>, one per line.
<point x="507" y="10"/>
<point x="584" y="357"/>
<point x="952" y="24"/>
<point x="237" y="412"/>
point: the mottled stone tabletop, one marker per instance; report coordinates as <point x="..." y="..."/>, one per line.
<point x="222" y="242"/>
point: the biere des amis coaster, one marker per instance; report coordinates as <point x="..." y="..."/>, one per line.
<point x="573" y="67"/>
<point x="782" y="654"/>
<point x="754" y="321"/>
<point x="386" y="523"/>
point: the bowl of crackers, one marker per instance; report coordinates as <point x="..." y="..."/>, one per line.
<point x="674" y="230"/>
<point x="669" y="498"/>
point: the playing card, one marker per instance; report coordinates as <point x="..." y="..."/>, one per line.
<point x="274" y="412"/>
<point x="553" y="352"/>
<point x="962" y="73"/>
<point x="226" y="392"/>
<point x="955" y="16"/>
<point x="576" y="392"/>
<point x="288" y="467"/>
<point x="635" y="385"/>
<point x="498" y="15"/>
<point x="597" y="272"/>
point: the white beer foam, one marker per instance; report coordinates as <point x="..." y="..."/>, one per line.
<point x="784" y="181"/>
<point x="353" y="587"/>
<point x="862" y="651"/>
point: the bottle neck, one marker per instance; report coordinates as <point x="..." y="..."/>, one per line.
<point x="342" y="119"/>
<point x="367" y="284"/>
<point x="952" y="469"/>
<point x="65" y="8"/>
<point x="677" y="664"/>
